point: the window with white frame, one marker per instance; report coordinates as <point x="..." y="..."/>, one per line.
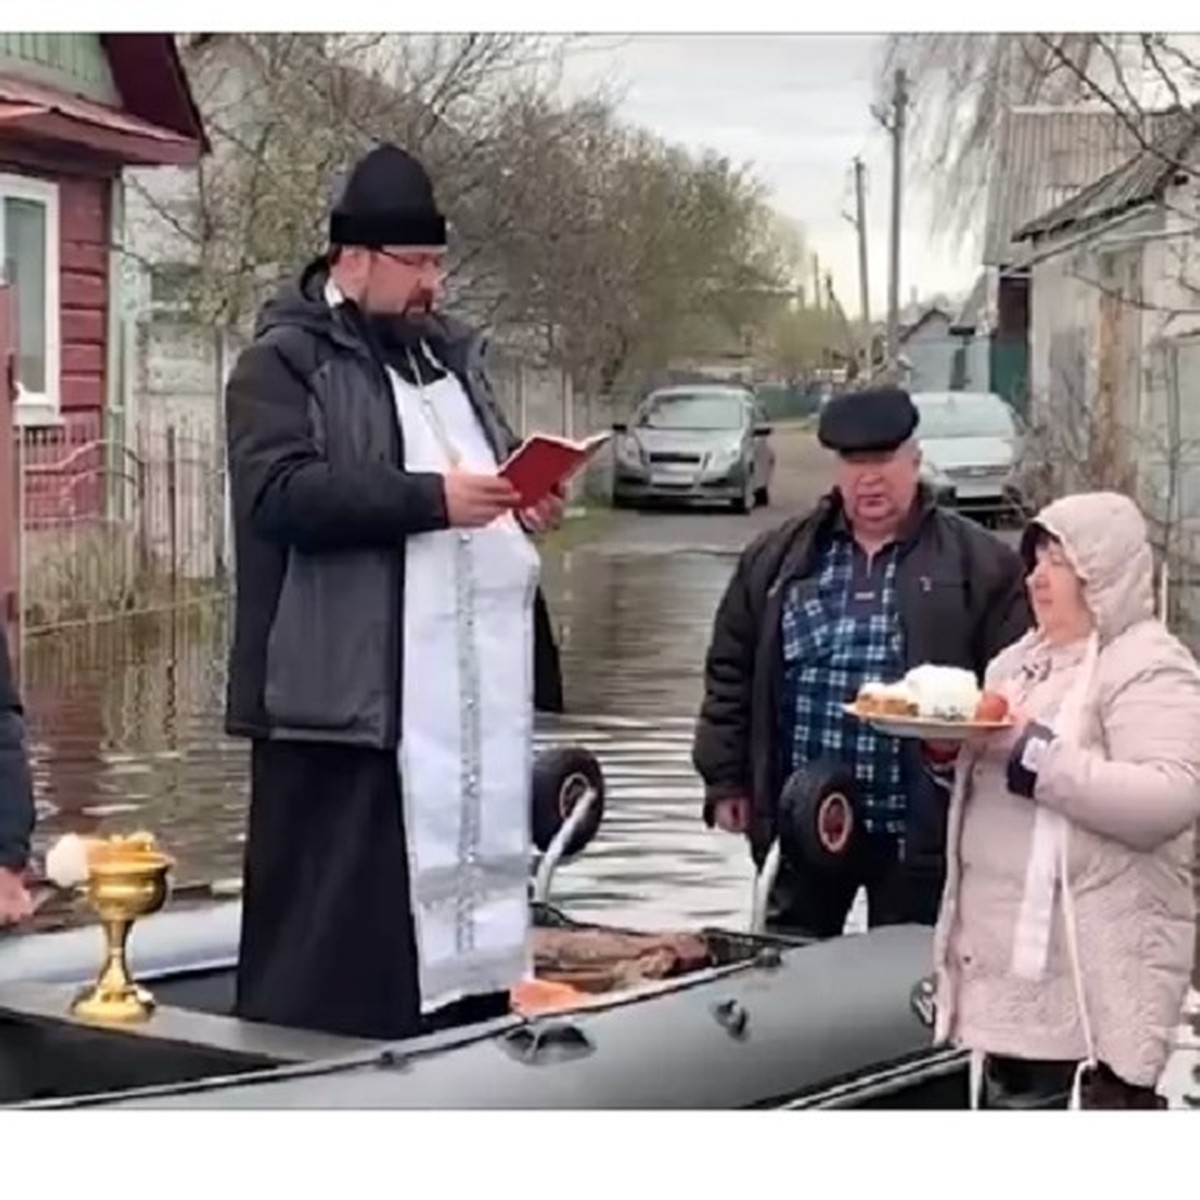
<point x="29" y="263"/>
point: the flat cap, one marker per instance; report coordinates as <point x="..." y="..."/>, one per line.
<point x="873" y="420"/>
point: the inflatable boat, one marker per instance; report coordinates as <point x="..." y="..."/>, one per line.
<point x="708" y="1018"/>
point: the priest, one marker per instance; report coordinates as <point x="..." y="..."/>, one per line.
<point x="390" y="643"/>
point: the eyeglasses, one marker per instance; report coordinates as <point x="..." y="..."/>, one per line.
<point x="416" y="259"/>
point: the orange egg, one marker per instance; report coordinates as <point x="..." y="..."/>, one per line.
<point x="991" y="707"/>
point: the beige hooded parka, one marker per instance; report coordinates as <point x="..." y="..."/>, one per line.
<point x="1119" y="784"/>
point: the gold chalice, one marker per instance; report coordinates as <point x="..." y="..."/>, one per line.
<point x="120" y="889"/>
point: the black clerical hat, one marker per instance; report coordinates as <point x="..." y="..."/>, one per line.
<point x="387" y="200"/>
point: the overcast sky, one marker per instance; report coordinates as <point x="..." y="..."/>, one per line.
<point x="798" y="107"/>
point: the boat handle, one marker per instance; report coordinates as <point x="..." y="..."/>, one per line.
<point x="558" y="847"/>
<point x="731" y="1016"/>
<point x="764" y="881"/>
<point x="923" y="999"/>
<point x="548" y="1041"/>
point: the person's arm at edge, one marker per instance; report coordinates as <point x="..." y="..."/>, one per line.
<point x="17" y="811"/>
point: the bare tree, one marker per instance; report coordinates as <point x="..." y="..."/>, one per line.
<point x="287" y="112"/>
<point x="616" y="250"/>
<point x="961" y="84"/>
<point x="1124" y="335"/>
<point x="1099" y="422"/>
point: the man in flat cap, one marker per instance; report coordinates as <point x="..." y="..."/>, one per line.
<point x="876" y="580"/>
<point x="390" y="640"/>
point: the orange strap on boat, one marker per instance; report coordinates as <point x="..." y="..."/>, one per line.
<point x="544" y="995"/>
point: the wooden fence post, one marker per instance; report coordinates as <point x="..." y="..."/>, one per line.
<point x="173" y="507"/>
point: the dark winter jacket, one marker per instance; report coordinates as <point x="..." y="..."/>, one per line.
<point x="961" y="597"/>
<point x="321" y="508"/>
<point x="16" y="780"/>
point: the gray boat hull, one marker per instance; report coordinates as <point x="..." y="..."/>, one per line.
<point x="826" y="1024"/>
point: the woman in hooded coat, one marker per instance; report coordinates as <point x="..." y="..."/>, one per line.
<point x="1065" y="940"/>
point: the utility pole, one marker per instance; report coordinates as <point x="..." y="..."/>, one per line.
<point x="835" y="308"/>
<point x="816" y="270"/>
<point x="859" y="221"/>
<point x="864" y="294"/>
<point x="896" y="127"/>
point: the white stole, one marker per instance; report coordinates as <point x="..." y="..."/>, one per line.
<point x="466" y="735"/>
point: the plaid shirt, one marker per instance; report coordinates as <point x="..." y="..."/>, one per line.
<point x="840" y="627"/>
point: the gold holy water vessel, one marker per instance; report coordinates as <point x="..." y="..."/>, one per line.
<point x="122" y="885"/>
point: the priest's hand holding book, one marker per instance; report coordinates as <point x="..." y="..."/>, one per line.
<point x="546" y="515"/>
<point x="530" y="482"/>
<point x="474" y="499"/>
<point x="539" y="469"/>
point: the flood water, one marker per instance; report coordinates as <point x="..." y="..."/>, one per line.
<point x="126" y="731"/>
<point x="126" y="726"/>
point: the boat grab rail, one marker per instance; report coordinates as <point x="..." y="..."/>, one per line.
<point x="556" y="851"/>
<point x="764" y="881"/>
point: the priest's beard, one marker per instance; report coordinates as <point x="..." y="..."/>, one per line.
<point x="399" y="339"/>
<point x="396" y="332"/>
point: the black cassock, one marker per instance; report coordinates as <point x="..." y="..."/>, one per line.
<point x="327" y="935"/>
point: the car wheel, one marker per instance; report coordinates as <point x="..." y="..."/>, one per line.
<point x="762" y="497"/>
<point x="745" y="502"/>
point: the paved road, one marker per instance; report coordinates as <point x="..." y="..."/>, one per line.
<point x="802" y="473"/>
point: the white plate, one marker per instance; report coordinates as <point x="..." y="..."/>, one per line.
<point x="927" y="729"/>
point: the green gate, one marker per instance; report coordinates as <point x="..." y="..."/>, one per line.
<point x="782" y="402"/>
<point x="1008" y="371"/>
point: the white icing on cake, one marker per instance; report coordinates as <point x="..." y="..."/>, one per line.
<point x="948" y="693"/>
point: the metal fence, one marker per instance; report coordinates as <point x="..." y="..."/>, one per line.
<point x="107" y="527"/>
<point x="128" y="513"/>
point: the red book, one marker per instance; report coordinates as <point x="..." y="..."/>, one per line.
<point x="543" y="462"/>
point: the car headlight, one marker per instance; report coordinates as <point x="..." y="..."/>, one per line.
<point x="940" y="484"/>
<point x="722" y="460"/>
<point x="629" y="453"/>
<point x="935" y="477"/>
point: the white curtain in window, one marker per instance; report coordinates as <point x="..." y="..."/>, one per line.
<point x="24" y="229"/>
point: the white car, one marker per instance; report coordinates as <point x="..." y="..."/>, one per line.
<point x="972" y="440"/>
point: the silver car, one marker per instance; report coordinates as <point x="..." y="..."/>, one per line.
<point x="695" y="443"/>
<point x="971" y="441"/>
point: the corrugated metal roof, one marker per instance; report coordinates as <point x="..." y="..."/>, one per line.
<point x="1045" y="157"/>
<point x="1141" y="178"/>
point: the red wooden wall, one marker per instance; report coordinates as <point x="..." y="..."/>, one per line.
<point x="83" y="216"/>
<point x="64" y="481"/>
